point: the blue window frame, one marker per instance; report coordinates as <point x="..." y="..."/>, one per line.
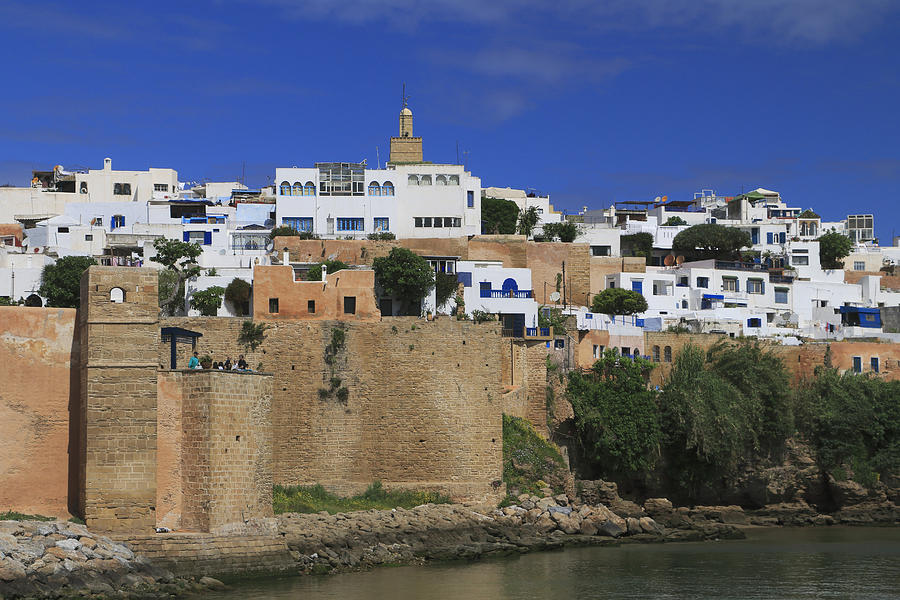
<point x="781" y="295"/>
<point x="470" y="199"/>
<point x="116" y="222"/>
<point x="298" y="223"/>
<point x="768" y="237"/>
<point x="857" y="364"/>
<point x="754" y="235"/>
<point x="382" y="224"/>
<point x="782" y="237"/>
<point x="350" y="224"/>
<point x="637" y="286"/>
<point x="755" y="286"/>
<point x="754" y="322"/>
<point x="874" y="362"/>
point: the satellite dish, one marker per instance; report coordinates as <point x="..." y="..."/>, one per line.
<point x="554" y="297"/>
<point x="669" y="260"/>
<point x="657" y="199"/>
<point x="679" y="260"/>
<point x="270" y="245"/>
<point x="665" y="198"/>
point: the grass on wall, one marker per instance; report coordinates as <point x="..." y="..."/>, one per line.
<point x="529" y="461"/>
<point x="11" y="515"/>
<point x="315" y="498"/>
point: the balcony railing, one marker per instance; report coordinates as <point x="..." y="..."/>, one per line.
<point x="739" y="266"/>
<point x="214" y="220"/>
<point x="507" y="293"/>
<point x="777" y="278"/>
<point x="526" y="332"/>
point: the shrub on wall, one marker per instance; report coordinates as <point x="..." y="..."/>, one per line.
<point x="208" y="301"/>
<point x="61" y="282"/>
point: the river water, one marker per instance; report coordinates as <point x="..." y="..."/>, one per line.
<point x="836" y="562"/>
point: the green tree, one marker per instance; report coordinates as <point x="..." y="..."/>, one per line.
<point x="61" y="282"/>
<point x="238" y="293"/>
<point x="498" y="216"/>
<point x="852" y="422"/>
<point x="180" y="260"/>
<point x="404" y="275"/>
<point x="618" y="301"/>
<point x="445" y="285"/>
<point x="528" y="219"/>
<point x="833" y="248"/>
<point x="565" y="231"/>
<point x="208" y="301"/>
<point x="637" y="244"/>
<point x="674" y="221"/>
<point x="711" y="240"/>
<point x="616" y="417"/>
<point x="331" y="266"/>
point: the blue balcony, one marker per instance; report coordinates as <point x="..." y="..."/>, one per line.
<point x="507" y="294"/>
<point x="215" y="220"/>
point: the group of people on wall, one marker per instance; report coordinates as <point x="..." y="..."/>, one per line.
<point x="227" y="365"/>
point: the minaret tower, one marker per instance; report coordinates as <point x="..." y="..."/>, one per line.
<point x="405" y="148"/>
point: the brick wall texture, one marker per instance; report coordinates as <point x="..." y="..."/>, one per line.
<point x="226" y="449"/>
<point x="423" y="405"/>
<point x="118" y="421"/>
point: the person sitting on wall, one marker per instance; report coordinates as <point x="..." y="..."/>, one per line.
<point x="221" y="366"/>
<point x="241" y="363"/>
<point x="215" y="364"/>
<point x="194" y="362"/>
<point x="227" y="364"/>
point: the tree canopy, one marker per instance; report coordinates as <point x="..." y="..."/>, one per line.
<point x="615" y="415"/>
<point x="833" y="248"/>
<point x="618" y="301"/>
<point x="528" y="219"/>
<point x="674" y="221"/>
<point x="498" y="216"/>
<point x="711" y="241"/>
<point x="637" y="244"/>
<point x="61" y="282"/>
<point x="180" y="260"/>
<point x="208" y="301"/>
<point x="404" y="275"/>
<point x="331" y="266"/>
<point x="565" y="231"/>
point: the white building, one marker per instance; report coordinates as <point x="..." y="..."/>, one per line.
<point x="348" y="200"/>
<point x="525" y="200"/>
<point x="490" y="287"/>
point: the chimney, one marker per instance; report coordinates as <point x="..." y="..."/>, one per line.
<point x="286" y="257"/>
<point x="324" y="271"/>
<point x="107" y="164"/>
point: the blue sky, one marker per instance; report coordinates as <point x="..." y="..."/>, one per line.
<point x="590" y="101"/>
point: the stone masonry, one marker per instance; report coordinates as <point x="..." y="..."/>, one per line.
<point x="118" y="382"/>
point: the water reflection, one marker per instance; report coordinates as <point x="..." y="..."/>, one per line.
<point x="854" y="563"/>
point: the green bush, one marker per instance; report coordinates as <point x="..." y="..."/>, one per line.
<point x="381" y="235"/>
<point x="61" y="282"/>
<point x="616" y="416"/>
<point x="498" y="216"/>
<point x="618" y="301"/>
<point x="331" y="266"/>
<point x="208" y="301"/>
<point x="11" y="515"/>
<point x="852" y="421"/>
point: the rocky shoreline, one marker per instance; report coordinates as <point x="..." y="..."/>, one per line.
<point x="61" y="560"/>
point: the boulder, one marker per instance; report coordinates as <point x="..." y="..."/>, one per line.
<point x="565" y="510"/>
<point x="610" y="529"/>
<point x="545" y="524"/>
<point x="69" y="544"/>
<point x="588" y="527"/>
<point x="648" y="525"/>
<point x="633" y="526"/>
<point x="11" y="569"/>
<point x="656" y="506"/>
<point x="562" y="500"/>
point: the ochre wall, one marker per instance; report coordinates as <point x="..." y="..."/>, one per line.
<point x="38" y="357"/>
<point x="293" y="296"/>
<point x="423" y="408"/>
<point x="168" y="451"/>
<point x="118" y="421"/>
<point x="226" y="444"/>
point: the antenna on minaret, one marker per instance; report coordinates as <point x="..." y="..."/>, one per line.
<point x="404" y="99"/>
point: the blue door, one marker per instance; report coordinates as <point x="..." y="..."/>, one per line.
<point x="637" y="286"/>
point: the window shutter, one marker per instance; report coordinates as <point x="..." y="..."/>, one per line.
<point x="207" y="238"/>
<point x="186" y="236"/>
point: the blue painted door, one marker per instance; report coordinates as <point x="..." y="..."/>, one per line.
<point x="637" y="286"/>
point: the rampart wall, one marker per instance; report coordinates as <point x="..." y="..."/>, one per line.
<point x="39" y="386"/>
<point x="422" y="408"/>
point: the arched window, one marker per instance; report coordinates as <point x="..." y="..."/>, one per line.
<point x="285" y="188"/>
<point x="453" y="180"/>
<point x="667" y="354"/>
<point x="374" y="189"/>
<point x="655" y="353"/>
<point x="425" y="180"/>
<point x="296" y="189"/>
<point x="413" y="180"/>
<point x="309" y="189"/>
<point x="387" y="189"/>
<point x="440" y="180"/>
<point x="509" y="285"/>
<point x="117" y="295"/>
